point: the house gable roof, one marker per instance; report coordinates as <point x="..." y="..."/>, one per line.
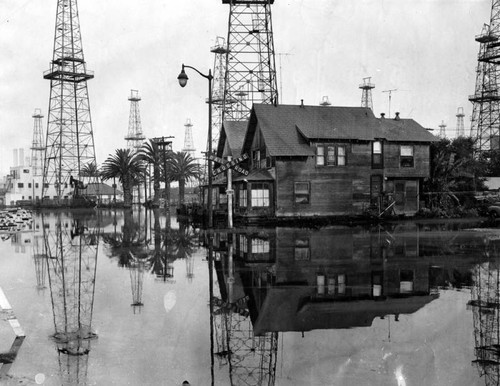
<point x="234" y="133"/>
<point x="287" y="129"/>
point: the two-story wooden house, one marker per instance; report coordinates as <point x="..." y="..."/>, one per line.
<point x="309" y="161"/>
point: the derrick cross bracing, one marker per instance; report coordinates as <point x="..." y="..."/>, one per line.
<point x="485" y="122"/>
<point x="250" y="75"/>
<point x="69" y="140"/>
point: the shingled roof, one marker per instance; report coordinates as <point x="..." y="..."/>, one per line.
<point x="234" y="132"/>
<point x="287" y="129"/>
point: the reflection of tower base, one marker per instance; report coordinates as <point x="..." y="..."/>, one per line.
<point x="74" y="343"/>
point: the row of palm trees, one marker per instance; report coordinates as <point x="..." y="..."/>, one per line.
<point x="131" y="168"/>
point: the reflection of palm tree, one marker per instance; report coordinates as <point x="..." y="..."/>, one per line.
<point x="127" y="244"/>
<point x="162" y="255"/>
<point x="184" y="241"/>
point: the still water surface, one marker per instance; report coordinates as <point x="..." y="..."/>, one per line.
<point x="122" y="298"/>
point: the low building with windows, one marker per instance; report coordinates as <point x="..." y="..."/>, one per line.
<point x="308" y="161"/>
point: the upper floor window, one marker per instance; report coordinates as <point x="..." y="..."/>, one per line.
<point x="331" y="155"/>
<point x="20" y="185"/>
<point x="406" y="156"/>
<point x="26" y="170"/>
<point x="256" y="158"/>
<point x="377" y="155"/>
<point x="302" y="192"/>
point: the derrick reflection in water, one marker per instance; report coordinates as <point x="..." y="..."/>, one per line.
<point x="485" y="303"/>
<point x="71" y="243"/>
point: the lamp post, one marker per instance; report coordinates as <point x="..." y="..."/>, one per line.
<point x="183" y="78"/>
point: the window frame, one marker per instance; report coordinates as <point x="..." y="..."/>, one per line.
<point x="327" y="154"/>
<point x="406" y="161"/>
<point x="377" y="164"/>
<point x="297" y="194"/>
<point x="259" y="196"/>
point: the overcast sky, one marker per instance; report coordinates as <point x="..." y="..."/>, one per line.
<point x="423" y="48"/>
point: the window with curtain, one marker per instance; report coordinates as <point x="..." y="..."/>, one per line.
<point x="406" y="156"/>
<point x="302" y="192"/>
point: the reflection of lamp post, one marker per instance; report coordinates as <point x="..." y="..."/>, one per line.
<point x="183" y="78"/>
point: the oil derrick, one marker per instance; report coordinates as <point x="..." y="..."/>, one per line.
<point x="71" y="246"/>
<point x="442" y="130"/>
<point x="135" y="138"/>
<point x="69" y="141"/>
<point x="188" y="139"/>
<point x="460" y="122"/>
<point x="485" y="121"/>
<point x="250" y="75"/>
<point x="220" y="52"/>
<point x="366" y="95"/>
<point x="37" y="147"/>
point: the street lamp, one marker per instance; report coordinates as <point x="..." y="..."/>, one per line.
<point x="183" y="78"/>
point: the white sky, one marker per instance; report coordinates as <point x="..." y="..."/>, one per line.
<point x="423" y="48"/>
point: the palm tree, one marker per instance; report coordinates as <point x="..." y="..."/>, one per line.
<point x="151" y="154"/>
<point x="126" y="166"/>
<point x="90" y="170"/>
<point x="183" y="167"/>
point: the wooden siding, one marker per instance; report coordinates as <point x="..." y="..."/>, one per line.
<point x="343" y="190"/>
<point x="421" y="161"/>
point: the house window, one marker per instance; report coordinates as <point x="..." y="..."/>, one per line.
<point x="301" y="251"/>
<point x="20" y="185"/>
<point x="26" y="171"/>
<point x="243" y="197"/>
<point x="406" y="156"/>
<point x="260" y="246"/>
<point x="45" y="186"/>
<point x="302" y="192"/>
<point x="29" y="185"/>
<point x="260" y="195"/>
<point x="331" y="155"/>
<point x="256" y="158"/>
<point x="320" y="155"/>
<point x="36" y="184"/>
<point x="377" y="155"/>
<point x="341" y="156"/>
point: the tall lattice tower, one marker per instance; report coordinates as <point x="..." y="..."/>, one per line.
<point x="250" y="62"/>
<point x="70" y="140"/>
<point x="366" y="95"/>
<point x="485" y="123"/>
<point x="188" y="139"/>
<point x="37" y="147"/>
<point x="442" y="130"/>
<point x="135" y="138"/>
<point x="460" y="122"/>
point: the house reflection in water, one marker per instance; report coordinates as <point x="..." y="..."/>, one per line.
<point x="304" y="279"/>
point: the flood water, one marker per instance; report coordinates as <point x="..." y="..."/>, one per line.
<point x="139" y="298"/>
